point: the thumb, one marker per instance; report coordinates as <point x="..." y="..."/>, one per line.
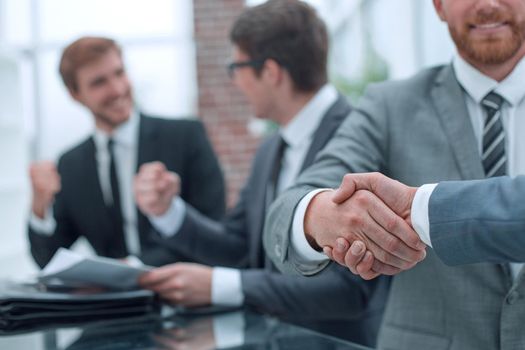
<point x="345" y="190"/>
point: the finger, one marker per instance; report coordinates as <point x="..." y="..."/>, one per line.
<point x="365" y="267"/>
<point x="345" y="190"/>
<point x="376" y="235"/>
<point x="385" y="269"/>
<point x="158" y="275"/>
<point x="340" y="249"/>
<point x="145" y="186"/>
<point x="395" y="234"/>
<point x="354" y="255"/>
<point x="327" y="250"/>
<point x="169" y="286"/>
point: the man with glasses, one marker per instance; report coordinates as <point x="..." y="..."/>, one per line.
<point x="280" y="54"/>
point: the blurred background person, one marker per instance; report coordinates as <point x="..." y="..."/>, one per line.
<point x="89" y="194"/>
<point x="279" y="63"/>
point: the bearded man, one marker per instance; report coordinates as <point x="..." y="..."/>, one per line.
<point x="455" y="122"/>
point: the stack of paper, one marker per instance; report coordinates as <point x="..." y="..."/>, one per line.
<point x="72" y="269"/>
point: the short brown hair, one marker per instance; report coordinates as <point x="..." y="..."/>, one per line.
<point x="291" y="33"/>
<point x="80" y="53"/>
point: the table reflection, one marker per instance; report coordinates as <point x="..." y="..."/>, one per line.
<point x="234" y="330"/>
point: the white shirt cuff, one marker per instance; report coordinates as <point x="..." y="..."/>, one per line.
<point x="228" y="330"/>
<point x="226" y="287"/>
<point x="419" y="212"/>
<point x="300" y="245"/>
<point x="169" y="223"/>
<point x="45" y="226"/>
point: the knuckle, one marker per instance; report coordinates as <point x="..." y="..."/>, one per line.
<point x="391" y="224"/>
<point x="355" y="220"/>
<point x="362" y="198"/>
<point x="392" y="244"/>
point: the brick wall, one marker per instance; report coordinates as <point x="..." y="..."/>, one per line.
<point x="222" y="108"/>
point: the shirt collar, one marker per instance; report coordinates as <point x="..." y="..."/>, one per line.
<point x="125" y="134"/>
<point x="478" y="85"/>
<point x="304" y="124"/>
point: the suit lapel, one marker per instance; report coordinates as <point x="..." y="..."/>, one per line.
<point x="148" y="151"/>
<point x="331" y="121"/>
<point x="449" y="101"/>
<point x="262" y="202"/>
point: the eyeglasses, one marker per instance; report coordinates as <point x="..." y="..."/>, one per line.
<point x="252" y="63"/>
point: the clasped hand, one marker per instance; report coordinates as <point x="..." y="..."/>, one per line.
<point x="365" y="225"/>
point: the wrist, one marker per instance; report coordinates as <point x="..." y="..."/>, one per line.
<point x="411" y="194"/>
<point x="39" y="208"/>
<point x="311" y="219"/>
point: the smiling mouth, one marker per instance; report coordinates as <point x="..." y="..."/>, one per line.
<point x="489" y="26"/>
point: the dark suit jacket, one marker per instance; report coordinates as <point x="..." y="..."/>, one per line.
<point x="79" y="208"/>
<point x="237" y="242"/>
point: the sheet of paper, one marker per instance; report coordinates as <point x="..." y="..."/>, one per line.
<point x="72" y="268"/>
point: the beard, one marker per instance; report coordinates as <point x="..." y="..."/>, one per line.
<point x="490" y="50"/>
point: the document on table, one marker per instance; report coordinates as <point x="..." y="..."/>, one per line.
<point x="72" y="269"/>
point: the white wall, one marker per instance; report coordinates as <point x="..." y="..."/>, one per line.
<point x="14" y="193"/>
<point x="38" y="120"/>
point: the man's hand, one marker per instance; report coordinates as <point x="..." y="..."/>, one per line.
<point x="197" y="335"/>
<point x="183" y="284"/>
<point x="155" y="187"/>
<point x="397" y="196"/>
<point x="45" y="183"/>
<point x="363" y="217"/>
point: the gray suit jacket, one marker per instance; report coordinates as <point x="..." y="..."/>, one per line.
<point x="237" y="242"/>
<point x="417" y="131"/>
<point x="475" y="221"/>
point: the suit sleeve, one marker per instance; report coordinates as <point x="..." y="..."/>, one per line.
<point x="43" y="247"/>
<point x="479" y="221"/>
<point x="359" y="145"/>
<point x="333" y="294"/>
<point x="210" y="242"/>
<point x="205" y="185"/>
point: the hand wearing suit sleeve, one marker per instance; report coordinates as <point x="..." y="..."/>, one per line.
<point x="318" y="293"/>
<point x="180" y="145"/>
<point x="206" y="241"/>
<point x="44" y="246"/>
<point x="327" y="172"/>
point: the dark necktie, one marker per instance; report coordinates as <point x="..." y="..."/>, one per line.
<point x="117" y="243"/>
<point x="277" y="165"/>
<point x="493" y="155"/>
<point x="271" y="190"/>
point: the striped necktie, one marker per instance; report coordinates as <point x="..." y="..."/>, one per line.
<point x="493" y="154"/>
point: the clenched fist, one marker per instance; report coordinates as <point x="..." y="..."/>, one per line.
<point x="45" y="182"/>
<point x="154" y="188"/>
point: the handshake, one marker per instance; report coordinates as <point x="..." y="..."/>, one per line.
<point x="365" y="225"/>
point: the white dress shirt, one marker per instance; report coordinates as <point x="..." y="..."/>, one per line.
<point x="476" y="86"/>
<point x="126" y="149"/>
<point x="298" y="134"/>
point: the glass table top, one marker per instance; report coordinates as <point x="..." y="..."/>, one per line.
<point x="231" y="330"/>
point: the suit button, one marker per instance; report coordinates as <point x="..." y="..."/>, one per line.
<point x="278" y="251"/>
<point x="513" y="297"/>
